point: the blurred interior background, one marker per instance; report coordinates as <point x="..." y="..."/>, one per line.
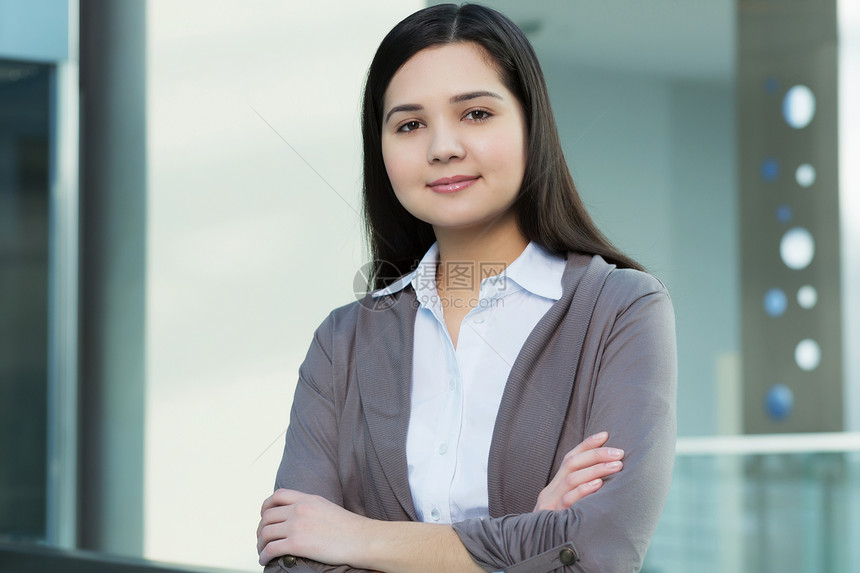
<point x="179" y="210"/>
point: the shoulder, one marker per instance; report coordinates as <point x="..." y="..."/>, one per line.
<point x="339" y="322"/>
<point x="636" y="301"/>
<point x="630" y="285"/>
<point x="622" y="288"/>
<point x="346" y="314"/>
<point x="620" y="284"/>
<point x="368" y="312"/>
<point x="331" y="338"/>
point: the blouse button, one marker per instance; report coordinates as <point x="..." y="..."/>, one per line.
<point x="478" y="320"/>
<point x="443" y="449"/>
<point x="435" y="514"/>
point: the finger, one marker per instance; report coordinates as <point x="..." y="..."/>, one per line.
<point x="282" y="497"/>
<point x="589" y="443"/>
<point x="260" y="544"/>
<point x="270" y="533"/>
<point x="273" y="532"/>
<point x="580" y="479"/>
<point x="586" y="455"/>
<point x="272" y="516"/>
<point x="590" y="458"/>
<point x="585" y="475"/>
<point x="573" y="460"/>
<point x="570" y="474"/>
<point x="578" y="482"/>
<point x="580" y="492"/>
<point x="267" y="534"/>
<point x="273" y="550"/>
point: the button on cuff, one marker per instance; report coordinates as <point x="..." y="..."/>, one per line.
<point x="552" y="560"/>
<point x="567" y="556"/>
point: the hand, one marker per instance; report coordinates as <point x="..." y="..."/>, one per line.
<point x="581" y="473"/>
<point x="310" y="526"/>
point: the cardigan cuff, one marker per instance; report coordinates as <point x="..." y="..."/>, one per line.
<point x="551" y="560"/>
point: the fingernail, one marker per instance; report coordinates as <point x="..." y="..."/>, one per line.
<point x="595" y="482"/>
<point x="615" y="453"/>
<point x="613" y="465"/>
<point x="600" y="436"/>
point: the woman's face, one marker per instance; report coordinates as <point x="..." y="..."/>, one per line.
<point x="453" y="138"/>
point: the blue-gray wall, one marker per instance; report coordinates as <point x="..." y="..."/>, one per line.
<point x="654" y="159"/>
<point x="35" y="30"/>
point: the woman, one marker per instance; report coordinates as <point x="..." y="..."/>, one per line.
<point x="472" y="413"/>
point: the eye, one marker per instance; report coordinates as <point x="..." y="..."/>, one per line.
<point x="478" y="115"/>
<point x="409" y="126"/>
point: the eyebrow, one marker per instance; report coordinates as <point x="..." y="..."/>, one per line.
<point x="409" y="107"/>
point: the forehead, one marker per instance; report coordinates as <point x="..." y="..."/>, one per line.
<point x="444" y="71"/>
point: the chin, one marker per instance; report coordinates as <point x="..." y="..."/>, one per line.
<point x="465" y="223"/>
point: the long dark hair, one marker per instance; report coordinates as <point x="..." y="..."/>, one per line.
<point x="548" y="208"/>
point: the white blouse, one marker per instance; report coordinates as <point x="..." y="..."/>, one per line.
<point x="456" y="393"/>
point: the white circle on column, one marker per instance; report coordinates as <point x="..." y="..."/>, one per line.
<point x="797" y="248"/>
<point x="807" y="296"/>
<point x="805" y="175"/>
<point x="798" y="106"/>
<point x="807" y="354"/>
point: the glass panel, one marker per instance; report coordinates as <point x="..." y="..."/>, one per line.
<point x="760" y="513"/>
<point x="24" y="219"/>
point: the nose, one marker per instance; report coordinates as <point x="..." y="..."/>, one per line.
<point x="445" y="145"/>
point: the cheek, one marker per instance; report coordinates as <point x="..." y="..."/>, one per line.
<point x="392" y="157"/>
<point x="504" y="155"/>
<point x="398" y="170"/>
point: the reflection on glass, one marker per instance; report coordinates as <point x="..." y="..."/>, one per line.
<point x="768" y="512"/>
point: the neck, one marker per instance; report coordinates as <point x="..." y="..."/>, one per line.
<point x="499" y="243"/>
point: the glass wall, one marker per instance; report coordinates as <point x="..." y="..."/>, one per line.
<point x="38" y="276"/>
<point x="25" y="100"/>
<point x="781" y="508"/>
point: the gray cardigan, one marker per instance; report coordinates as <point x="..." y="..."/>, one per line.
<point x="347" y="434"/>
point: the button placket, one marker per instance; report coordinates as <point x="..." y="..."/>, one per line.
<point x="446" y="435"/>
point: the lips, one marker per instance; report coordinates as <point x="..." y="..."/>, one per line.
<point x="452" y="184"/>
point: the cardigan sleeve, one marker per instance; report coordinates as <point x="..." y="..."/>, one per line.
<point x="309" y="463"/>
<point x="633" y="398"/>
